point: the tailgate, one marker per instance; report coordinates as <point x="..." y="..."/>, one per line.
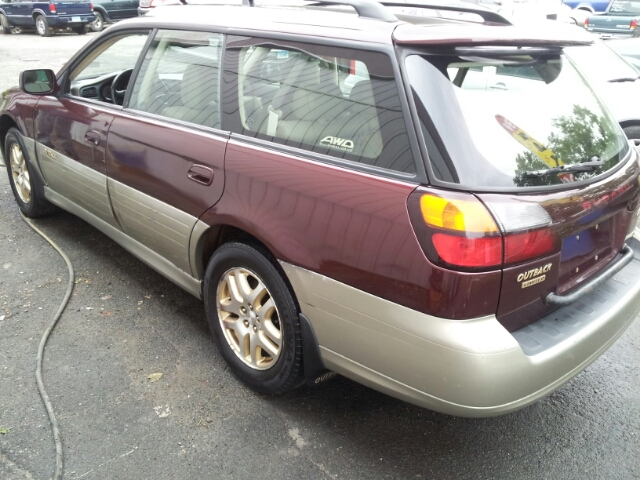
<point x="590" y="226"/>
<point x="73" y="8"/>
<point x="610" y="24"/>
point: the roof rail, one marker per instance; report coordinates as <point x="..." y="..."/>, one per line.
<point x="365" y="8"/>
<point x="487" y="15"/>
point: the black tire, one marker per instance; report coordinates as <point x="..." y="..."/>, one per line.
<point x="42" y="26"/>
<point x="287" y="371"/>
<point x="633" y="133"/>
<point x="80" y="30"/>
<point x="37" y="206"/>
<point x="4" y="25"/>
<point x="98" y="24"/>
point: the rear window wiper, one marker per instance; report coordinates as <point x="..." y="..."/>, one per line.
<point x="589" y="166"/>
<point x="624" y="79"/>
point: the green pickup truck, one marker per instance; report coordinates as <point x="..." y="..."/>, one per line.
<point x="621" y="18"/>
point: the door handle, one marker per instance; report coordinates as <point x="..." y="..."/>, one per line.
<point x="92" y="137"/>
<point x="200" y="174"/>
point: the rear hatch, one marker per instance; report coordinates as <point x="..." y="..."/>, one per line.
<point x="517" y="127"/>
<point x="621" y="18"/>
<point x="73" y="8"/>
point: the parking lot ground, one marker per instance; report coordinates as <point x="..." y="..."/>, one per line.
<point x="125" y="322"/>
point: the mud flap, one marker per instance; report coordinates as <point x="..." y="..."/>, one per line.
<point x="314" y="370"/>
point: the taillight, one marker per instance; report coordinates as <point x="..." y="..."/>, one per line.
<point x="586" y="22"/>
<point x="634" y="24"/>
<point x="458" y="231"/>
<point x="91" y="6"/>
<point x="352" y="68"/>
<point x="52" y="7"/>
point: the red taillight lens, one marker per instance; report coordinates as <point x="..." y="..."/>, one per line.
<point x="519" y="247"/>
<point x="469" y="252"/>
<point x="352" y="69"/>
<point x="458" y="231"/>
<point x="91" y="5"/>
<point x="634" y="24"/>
<point x="52" y="8"/>
<point x="586" y="22"/>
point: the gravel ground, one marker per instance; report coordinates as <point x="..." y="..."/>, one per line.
<point x="125" y="322"/>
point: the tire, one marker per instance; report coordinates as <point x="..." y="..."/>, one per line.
<point x="633" y="133"/>
<point x="268" y="315"/>
<point x="98" y="24"/>
<point x="42" y="26"/>
<point x="4" y="25"/>
<point x="80" y="30"/>
<point x="25" y="182"/>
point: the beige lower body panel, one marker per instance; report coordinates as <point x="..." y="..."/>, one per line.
<point x="472" y="368"/>
<point x="144" y="253"/>
<point x="81" y="185"/>
<point x="163" y="228"/>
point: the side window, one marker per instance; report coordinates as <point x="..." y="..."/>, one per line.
<point x="334" y="101"/>
<point x="180" y="78"/>
<point x="108" y="63"/>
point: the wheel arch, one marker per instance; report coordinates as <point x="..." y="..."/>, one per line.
<point x="630" y="123"/>
<point x="205" y="240"/>
<point x="36" y="13"/>
<point x="103" y="12"/>
<point x="6" y="122"/>
<point x="586" y="8"/>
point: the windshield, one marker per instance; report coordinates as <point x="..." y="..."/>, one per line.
<point x="598" y="62"/>
<point x="511" y="120"/>
<point x="624" y="7"/>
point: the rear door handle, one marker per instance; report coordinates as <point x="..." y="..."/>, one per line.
<point x="92" y="137"/>
<point x="201" y="174"/>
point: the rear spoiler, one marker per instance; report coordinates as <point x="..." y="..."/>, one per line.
<point x="552" y="36"/>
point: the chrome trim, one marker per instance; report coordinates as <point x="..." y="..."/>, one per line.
<point x="473" y="368"/>
<point x="143" y="253"/>
<point x="77" y="183"/>
<point x="161" y="227"/>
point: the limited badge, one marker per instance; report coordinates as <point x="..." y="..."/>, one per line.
<point x="533" y="276"/>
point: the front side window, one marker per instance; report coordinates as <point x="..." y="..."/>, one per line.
<point x="180" y="78"/>
<point x="338" y="102"/>
<point x="512" y="120"/>
<point x="104" y="73"/>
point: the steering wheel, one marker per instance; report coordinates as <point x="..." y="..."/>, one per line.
<point x="119" y="86"/>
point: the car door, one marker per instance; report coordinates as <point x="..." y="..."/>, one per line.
<point x="71" y="128"/>
<point x="165" y="151"/>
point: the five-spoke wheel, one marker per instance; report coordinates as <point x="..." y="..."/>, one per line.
<point x="20" y="173"/>
<point x="253" y="317"/>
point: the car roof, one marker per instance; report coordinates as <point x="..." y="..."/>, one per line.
<point x="337" y="22"/>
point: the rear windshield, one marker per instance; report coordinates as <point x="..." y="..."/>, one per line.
<point x="624" y="7"/>
<point x="504" y="120"/>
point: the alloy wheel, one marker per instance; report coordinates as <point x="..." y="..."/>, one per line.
<point x="20" y="173"/>
<point x="40" y="26"/>
<point x="249" y="318"/>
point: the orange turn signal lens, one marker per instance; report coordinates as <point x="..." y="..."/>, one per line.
<point x="455" y="214"/>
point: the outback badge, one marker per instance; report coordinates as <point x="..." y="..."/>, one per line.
<point x="533" y="276"/>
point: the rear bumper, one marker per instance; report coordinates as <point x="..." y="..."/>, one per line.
<point x="473" y="368"/>
<point x="64" y="21"/>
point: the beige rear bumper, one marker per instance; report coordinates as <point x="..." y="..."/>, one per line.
<point x="471" y="368"/>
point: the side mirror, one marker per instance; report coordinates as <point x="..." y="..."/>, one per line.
<point x="38" y="82"/>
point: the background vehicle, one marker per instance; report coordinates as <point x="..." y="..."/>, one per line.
<point x="628" y="48"/>
<point x="45" y="17"/>
<point x="109" y="11"/>
<point x="592" y="6"/>
<point x="621" y="18"/>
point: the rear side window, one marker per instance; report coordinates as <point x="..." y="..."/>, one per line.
<point x="338" y="102"/>
<point x="180" y="78"/>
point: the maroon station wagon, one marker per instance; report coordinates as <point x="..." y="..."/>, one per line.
<point x="345" y="198"/>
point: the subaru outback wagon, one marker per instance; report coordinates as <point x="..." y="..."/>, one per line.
<point x="345" y="197"/>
